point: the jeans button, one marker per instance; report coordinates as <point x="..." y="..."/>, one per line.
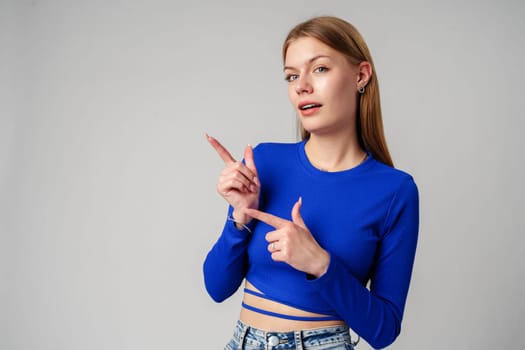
<point x="273" y="340"/>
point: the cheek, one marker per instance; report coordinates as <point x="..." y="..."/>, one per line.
<point x="344" y="96"/>
<point x="335" y="89"/>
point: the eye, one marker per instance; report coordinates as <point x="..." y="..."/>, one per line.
<point x="290" y="77"/>
<point x="321" y="69"/>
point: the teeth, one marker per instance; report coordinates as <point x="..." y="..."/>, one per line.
<point x="312" y="105"/>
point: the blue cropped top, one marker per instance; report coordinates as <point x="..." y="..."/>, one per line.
<point x="365" y="217"/>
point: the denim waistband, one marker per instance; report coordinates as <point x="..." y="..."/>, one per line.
<point x="246" y="337"/>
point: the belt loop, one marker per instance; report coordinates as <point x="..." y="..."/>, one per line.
<point x="298" y="340"/>
<point x="354" y="343"/>
<point x="243" y="335"/>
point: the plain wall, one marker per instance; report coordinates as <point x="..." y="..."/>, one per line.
<point x="107" y="184"/>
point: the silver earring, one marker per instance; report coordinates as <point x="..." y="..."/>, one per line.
<point x="361" y="90"/>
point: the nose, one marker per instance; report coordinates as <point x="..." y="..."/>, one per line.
<point x="303" y="85"/>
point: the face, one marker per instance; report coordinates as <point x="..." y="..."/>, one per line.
<point x="322" y="87"/>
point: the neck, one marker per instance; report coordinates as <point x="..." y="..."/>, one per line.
<point x="334" y="154"/>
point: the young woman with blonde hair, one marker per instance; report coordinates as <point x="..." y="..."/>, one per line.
<point x="311" y="224"/>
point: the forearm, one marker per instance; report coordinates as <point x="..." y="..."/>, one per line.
<point x="375" y="319"/>
<point x="226" y="264"/>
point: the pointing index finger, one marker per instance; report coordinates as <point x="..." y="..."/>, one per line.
<point x="221" y="150"/>
<point x="267" y="218"/>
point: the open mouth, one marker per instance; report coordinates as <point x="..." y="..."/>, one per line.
<point x="309" y="106"/>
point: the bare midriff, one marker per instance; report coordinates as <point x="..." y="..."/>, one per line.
<point x="277" y="324"/>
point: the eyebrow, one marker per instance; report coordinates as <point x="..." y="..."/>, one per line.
<point x="309" y="61"/>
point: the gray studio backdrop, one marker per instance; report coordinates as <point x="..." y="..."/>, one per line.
<point x="107" y="192"/>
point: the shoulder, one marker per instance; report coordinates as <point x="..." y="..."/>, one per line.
<point x="395" y="180"/>
<point x="401" y="197"/>
<point x="275" y="150"/>
<point x="276" y="146"/>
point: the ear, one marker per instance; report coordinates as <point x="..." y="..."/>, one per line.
<point x="364" y="73"/>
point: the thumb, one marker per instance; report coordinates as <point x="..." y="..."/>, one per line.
<point x="248" y="159"/>
<point x="296" y="213"/>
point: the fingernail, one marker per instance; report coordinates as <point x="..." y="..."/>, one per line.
<point x="256" y="180"/>
<point x="253" y="188"/>
<point x="300" y="200"/>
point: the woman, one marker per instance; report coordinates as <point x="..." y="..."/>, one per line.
<point x="310" y="224"/>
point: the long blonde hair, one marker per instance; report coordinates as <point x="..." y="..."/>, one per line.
<point x="344" y="38"/>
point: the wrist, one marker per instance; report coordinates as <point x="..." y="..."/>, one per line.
<point x="322" y="264"/>
<point x="240" y="225"/>
<point x="240" y="219"/>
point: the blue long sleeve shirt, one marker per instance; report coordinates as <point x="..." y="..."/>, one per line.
<point x="366" y="218"/>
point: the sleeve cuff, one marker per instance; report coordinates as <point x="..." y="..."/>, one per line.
<point x="327" y="276"/>
<point x="241" y="232"/>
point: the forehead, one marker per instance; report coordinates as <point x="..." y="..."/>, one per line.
<point x="304" y="49"/>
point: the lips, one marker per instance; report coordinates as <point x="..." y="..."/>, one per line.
<point x="308" y="108"/>
<point x="304" y="106"/>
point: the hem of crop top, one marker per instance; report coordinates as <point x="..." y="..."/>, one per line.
<point x="279" y="315"/>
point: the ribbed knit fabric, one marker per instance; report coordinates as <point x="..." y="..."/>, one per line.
<point x="365" y="217"/>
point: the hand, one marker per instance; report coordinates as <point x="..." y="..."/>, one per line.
<point x="238" y="183"/>
<point x="292" y="242"/>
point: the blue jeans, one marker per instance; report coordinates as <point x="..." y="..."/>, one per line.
<point x="327" y="338"/>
